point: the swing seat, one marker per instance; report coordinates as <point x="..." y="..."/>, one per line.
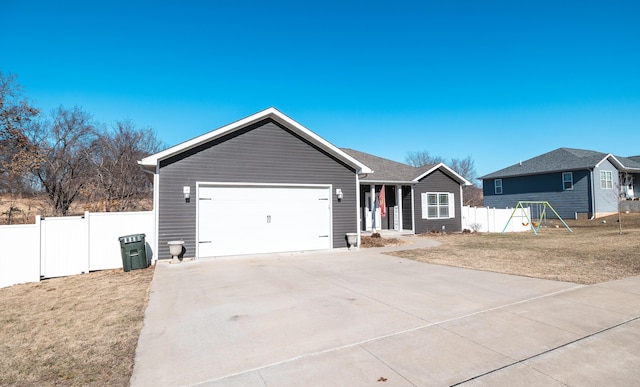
<point x="525" y="224"/>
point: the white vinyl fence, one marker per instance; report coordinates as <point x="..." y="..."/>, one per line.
<point x="56" y="247"/>
<point x="485" y="219"/>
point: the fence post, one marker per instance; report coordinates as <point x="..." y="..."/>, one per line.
<point x="38" y="227"/>
<point x="87" y="215"/>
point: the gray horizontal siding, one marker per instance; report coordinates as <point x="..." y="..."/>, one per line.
<point x="262" y="153"/>
<point x="437" y="182"/>
<point x="606" y="198"/>
<point x="547" y="187"/>
<point x="407" y="214"/>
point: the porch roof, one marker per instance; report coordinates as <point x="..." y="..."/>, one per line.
<point x="389" y="171"/>
<point x="385" y="170"/>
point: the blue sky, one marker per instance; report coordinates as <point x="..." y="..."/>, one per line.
<point x="499" y="81"/>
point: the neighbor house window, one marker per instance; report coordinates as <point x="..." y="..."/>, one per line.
<point x="606" y="180"/>
<point x="498" y="184"/>
<point x="438" y="205"/>
<point x="567" y="180"/>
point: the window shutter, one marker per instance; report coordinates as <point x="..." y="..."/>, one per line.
<point x="452" y="206"/>
<point x="423" y="199"/>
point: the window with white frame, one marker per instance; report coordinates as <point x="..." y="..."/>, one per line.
<point x="567" y="180"/>
<point x="438" y="205"/>
<point x="497" y="183"/>
<point x="606" y="180"/>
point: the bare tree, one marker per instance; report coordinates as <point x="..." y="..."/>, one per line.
<point x="67" y="145"/>
<point x="422" y="158"/>
<point x="473" y="195"/>
<point x="624" y="180"/>
<point x="464" y="167"/>
<point x="119" y="183"/>
<point x="17" y="154"/>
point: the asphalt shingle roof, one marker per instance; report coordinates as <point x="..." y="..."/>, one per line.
<point x="632" y="162"/>
<point x="385" y="169"/>
<point x="561" y="159"/>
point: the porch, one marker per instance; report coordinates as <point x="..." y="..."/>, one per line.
<point x="397" y="204"/>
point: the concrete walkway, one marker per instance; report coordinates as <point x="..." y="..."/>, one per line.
<point x="360" y="318"/>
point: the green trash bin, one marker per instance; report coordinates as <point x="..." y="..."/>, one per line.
<point x="134" y="255"/>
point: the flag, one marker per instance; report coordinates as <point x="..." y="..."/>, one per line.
<point x="383" y="202"/>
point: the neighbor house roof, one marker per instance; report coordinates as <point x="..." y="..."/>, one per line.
<point x="150" y="163"/>
<point x="563" y="159"/>
<point x="630" y="164"/>
<point x="635" y="159"/>
<point x="389" y="171"/>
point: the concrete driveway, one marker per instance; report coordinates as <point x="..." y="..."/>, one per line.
<point x="358" y="318"/>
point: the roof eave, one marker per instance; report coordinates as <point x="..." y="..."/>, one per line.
<point x="379" y="181"/>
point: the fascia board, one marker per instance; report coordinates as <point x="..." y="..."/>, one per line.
<point x="216" y="133"/>
<point x="365" y="181"/>
<point x="444" y="166"/>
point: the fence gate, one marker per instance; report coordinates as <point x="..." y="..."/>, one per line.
<point x="64" y="248"/>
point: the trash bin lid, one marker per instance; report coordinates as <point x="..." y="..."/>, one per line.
<point x="131" y="238"/>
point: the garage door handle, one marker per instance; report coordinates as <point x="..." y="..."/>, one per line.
<point x="323" y="236"/>
<point x="204" y="242"/>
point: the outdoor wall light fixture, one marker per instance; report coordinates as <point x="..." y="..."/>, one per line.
<point x="339" y="194"/>
<point x="186" y="190"/>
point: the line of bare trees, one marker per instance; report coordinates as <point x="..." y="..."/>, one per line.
<point x="66" y="156"/>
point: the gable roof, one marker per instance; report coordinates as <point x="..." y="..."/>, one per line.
<point x="563" y="159"/>
<point x="389" y="171"/>
<point x="151" y="162"/>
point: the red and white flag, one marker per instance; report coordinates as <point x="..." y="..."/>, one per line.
<point x="383" y="202"/>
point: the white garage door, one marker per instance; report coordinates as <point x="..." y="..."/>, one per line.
<point x="234" y="220"/>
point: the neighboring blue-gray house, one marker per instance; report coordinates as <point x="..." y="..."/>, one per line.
<point x="576" y="182"/>
<point x="268" y="184"/>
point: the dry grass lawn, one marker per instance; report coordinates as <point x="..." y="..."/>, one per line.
<point x="78" y="330"/>
<point x="595" y="251"/>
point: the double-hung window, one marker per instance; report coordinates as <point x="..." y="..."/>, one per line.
<point x="567" y="180"/>
<point x="438" y="205"/>
<point x="497" y="183"/>
<point x="606" y="180"/>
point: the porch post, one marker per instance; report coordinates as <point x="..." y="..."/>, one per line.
<point x="373" y="208"/>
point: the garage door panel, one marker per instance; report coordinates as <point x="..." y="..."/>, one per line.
<point x="248" y="220"/>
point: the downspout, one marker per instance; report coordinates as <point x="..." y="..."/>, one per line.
<point x="358" y="209"/>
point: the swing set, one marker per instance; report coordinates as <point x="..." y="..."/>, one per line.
<point x="535" y="217"/>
